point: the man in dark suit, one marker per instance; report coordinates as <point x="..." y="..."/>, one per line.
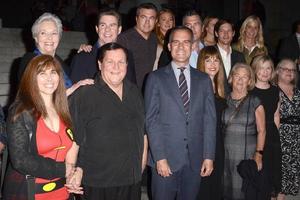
<point x="180" y="122"/>
<point x="84" y="65"/>
<point x="290" y="47"/>
<point x="224" y="33"/>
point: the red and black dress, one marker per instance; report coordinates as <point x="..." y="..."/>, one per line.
<point x="42" y="156"/>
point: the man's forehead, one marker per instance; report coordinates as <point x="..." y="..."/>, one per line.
<point x="192" y="19"/>
<point x="145" y="11"/>
<point x="108" y="19"/>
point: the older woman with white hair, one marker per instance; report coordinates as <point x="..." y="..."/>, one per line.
<point x="251" y="40"/>
<point x="47" y="32"/>
<point x="289" y="129"/>
<point x="244" y="129"/>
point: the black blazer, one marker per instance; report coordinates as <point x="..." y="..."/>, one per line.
<point x="289" y="48"/>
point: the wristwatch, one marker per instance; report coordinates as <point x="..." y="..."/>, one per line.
<point x="261" y="152"/>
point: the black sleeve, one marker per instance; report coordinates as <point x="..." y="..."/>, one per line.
<point x="130" y="75"/>
<point x="24" y="62"/>
<point x="164" y="59"/>
<point x="25" y="160"/>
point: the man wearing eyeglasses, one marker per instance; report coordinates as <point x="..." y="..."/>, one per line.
<point x="180" y="122"/>
<point x="84" y="65"/>
<point x="141" y="42"/>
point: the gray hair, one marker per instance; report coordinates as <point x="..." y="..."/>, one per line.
<point x="249" y="71"/>
<point x="46" y="17"/>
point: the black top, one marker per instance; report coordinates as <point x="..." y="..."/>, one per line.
<point x="142" y="52"/>
<point x="110" y="133"/>
<point x="84" y="65"/>
<point x="269" y="98"/>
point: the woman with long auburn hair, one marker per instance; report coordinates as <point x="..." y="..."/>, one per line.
<point x="210" y="62"/>
<point x="41" y="149"/>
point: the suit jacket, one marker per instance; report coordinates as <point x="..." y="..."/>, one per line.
<point x="172" y="134"/>
<point x="289" y="48"/>
<point x="84" y="65"/>
<point x="236" y="57"/>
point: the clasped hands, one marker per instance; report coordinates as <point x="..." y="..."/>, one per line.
<point x="164" y="170"/>
<point x="73" y="179"/>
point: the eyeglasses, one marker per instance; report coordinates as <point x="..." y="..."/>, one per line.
<point x="239" y="77"/>
<point x="48" y="34"/>
<point x="185" y="43"/>
<point x="288" y="70"/>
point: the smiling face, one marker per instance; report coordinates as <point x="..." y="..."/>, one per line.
<point x="108" y="29"/>
<point x="165" y="22"/>
<point x="287" y="72"/>
<point x="251" y="30"/>
<point x="47" y="81"/>
<point x="212" y="66"/>
<point x="47" y="38"/>
<point x="264" y="72"/>
<point x="114" y="67"/>
<point x="180" y="47"/>
<point x="240" y="80"/>
<point x="225" y="34"/>
<point x="211" y="25"/>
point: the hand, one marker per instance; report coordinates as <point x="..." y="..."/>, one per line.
<point x="78" y="84"/>
<point x="85" y="47"/>
<point x="2" y="147"/>
<point x="74" y="181"/>
<point x="207" y="167"/>
<point x="163" y="168"/>
<point x="258" y="160"/>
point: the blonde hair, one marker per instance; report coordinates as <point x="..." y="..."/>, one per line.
<point x="258" y="61"/>
<point x="259" y="37"/>
<point x="219" y="79"/>
<point x="206" y="22"/>
<point x="251" y="75"/>
<point x="159" y="34"/>
<point x="283" y="63"/>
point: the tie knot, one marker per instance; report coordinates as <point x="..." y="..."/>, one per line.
<point x="181" y="69"/>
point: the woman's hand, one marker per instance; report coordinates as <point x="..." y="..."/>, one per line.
<point x="85" y="47"/>
<point x="78" y="84"/>
<point x="258" y="159"/>
<point x="74" y="181"/>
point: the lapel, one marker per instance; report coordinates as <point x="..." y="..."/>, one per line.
<point x="194" y="89"/>
<point x="173" y="86"/>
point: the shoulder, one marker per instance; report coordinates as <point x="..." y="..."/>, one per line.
<point x="200" y="75"/>
<point x="255" y="100"/>
<point x="127" y="34"/>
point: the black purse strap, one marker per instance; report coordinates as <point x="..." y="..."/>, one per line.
<point x="234" y="113"/>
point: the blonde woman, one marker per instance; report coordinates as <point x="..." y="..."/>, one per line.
<point x="251" y="40"/>
<point x="263" y="68"/>
<point x="207" y="36"/>
<point x="166" y="21"/>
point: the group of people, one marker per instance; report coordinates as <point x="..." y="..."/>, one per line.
<point x="181" y="99"/>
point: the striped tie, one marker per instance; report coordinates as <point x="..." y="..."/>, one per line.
<point x="184" y="91"/>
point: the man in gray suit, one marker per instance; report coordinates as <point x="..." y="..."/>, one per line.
<point x="180" y="122"/>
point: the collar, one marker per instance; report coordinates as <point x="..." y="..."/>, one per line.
<point x="298" y="35"/>
<point x="176" y="67"/>
<point x="223" y="52"/>
<point x="37" y="52"/>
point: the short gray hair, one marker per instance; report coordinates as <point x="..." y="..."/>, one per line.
<point x="46" y="17"/>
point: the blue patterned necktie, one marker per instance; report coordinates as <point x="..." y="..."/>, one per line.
<point x="183" y="88"/>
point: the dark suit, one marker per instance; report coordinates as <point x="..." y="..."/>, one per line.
<point x="236" y="57"/>
<point x="289" y="48"/>
<point x="184" y="140"/>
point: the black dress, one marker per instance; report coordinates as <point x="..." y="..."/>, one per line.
<point x="272" y="150"/>
<point x="211" y="187"/>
